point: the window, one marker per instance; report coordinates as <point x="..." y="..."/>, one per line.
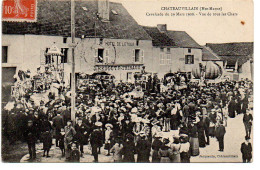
<point x="189" y="50"/>
<point x="101" y="41"/>
<point x="165" y="59"/>
<point x="168" y="50"/>
<point x="4" y="54"/>
<point x="189" y="59"/>
<point x="137" y="42"/>
<point x="168" y="59"/>
<point x="162" y="59"/>
<point x="64" y="40"/>
<point x="64" y="58"/>
<point x="161" y="49"/>
<point x="137" y="55"/>
<point x="100" y="58"/>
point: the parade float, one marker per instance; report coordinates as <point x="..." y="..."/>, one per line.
<point x="177" y="80"/>
<point x="48" y="78"/>
<point x="208" y="72"/>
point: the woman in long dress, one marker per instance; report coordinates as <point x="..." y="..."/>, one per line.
<point x="128" y="149"/>
<point x="194" y="141"/>
<point x="201" y="133"/>
<point x="176" y="146"/>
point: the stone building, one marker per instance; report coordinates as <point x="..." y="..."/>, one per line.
<point x="108" y="40"/>
<point x="173" y="51"/>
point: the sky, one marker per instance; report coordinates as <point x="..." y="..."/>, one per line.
<point x="203" y="29"/>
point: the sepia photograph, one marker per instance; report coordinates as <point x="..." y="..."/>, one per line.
<point x="117" y="81"/>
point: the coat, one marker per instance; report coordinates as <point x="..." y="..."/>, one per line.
<point x="143" y="148"/>
<point x="246" y="150"/>
<point x="220" y="131"/>
<point x="96" y="138"/>
<point x="231" y="108"/>
<point x="128" y="151"/>
<point x="156" y="145"/>
<point x="58" y="122"/>
<point x="30" y="135"/>
<point x="80" y="130"/>
<point x="69" y="134"/>
<point x="47" y="140"/>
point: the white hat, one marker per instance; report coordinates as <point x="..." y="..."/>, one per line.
<point x="142" y="133"/>
<point x="108" y="125"/>
<point x="98" y="124"/>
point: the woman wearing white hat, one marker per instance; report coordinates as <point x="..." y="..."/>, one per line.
<point x="108" y="137"/>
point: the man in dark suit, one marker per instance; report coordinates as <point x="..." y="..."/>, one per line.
<point x="58" y="123"/>
<point x="81" y="131"/>
<point x="247" y="120"/>
<point x="246" y="149"/>
<point x="96" y="140"/>
<point x="220" y="133"/>
<point x="143" y="148"/>
<point x="31" y="138"/>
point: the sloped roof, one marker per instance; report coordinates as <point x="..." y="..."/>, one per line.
<point x="53" y="18"/>
<point x="208" y="55"/>
<point x="159" y="39"/>
<point x="234" y="52"/>
<point x="231" y="60"/>
<point x="232" y="49"/>
<point x="182" y="39"/>
<point x="171" y="38"/>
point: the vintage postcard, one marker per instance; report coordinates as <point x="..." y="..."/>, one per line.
<point x="148" y="81"/>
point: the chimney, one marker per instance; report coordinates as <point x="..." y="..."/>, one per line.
<point x="103" y="10"/>
<point x="162" y="28"/>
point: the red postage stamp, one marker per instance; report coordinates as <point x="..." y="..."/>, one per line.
<point x="19" y="10"/>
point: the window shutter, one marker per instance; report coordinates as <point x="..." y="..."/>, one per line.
<point x="96" y="55"/>
<point x="133" y="55"/>
<point x="107" y="56"/>
<point x="42" y="57"/>
<point x="142" y="56"/>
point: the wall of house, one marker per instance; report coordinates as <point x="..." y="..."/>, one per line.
<point x="246" y="71"/>
<point x="119" y="52"/>
<point x="27" y="51"/>
<point x="177" y="60"/>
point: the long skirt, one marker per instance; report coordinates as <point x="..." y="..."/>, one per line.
<point x="194" y="144"/>
<point x="165" y="160"/>
<point x="176" y="158"/>
<point x="212" y="131"/>
<point x="185" y="158"/>
<point x="202" y="141"/>
<point x="155" y="157"/>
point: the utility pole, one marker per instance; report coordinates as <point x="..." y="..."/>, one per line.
<point x="73" y="80"/>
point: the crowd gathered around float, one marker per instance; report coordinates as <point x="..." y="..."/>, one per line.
<point x="131" y="121"/>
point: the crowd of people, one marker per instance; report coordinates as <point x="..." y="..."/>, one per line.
<point x="108" y="117"/>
